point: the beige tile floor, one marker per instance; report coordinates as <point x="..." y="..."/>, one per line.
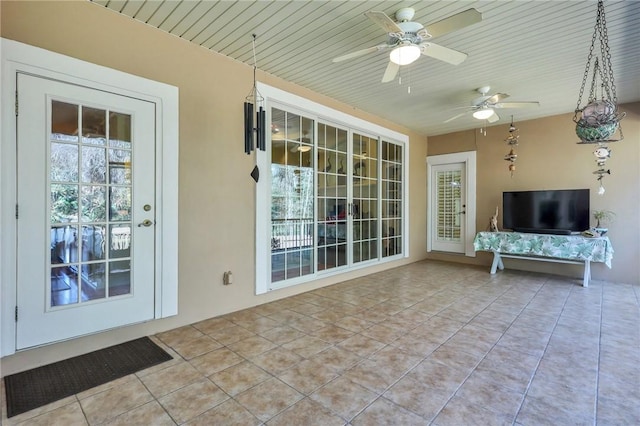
<point x="428" y="343"/>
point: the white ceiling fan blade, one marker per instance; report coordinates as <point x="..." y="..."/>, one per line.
<point x="493" y="117"/>
<point x="454" y="22"/>
<point x="517" y="104"/>
<point x="443" y="53"/>
<point x="390" y="72"/>
<point x="384" y="21"/>
<point x="496" y="98"/>
<point x="455" y="117"/>
<point x="360" y="53"/>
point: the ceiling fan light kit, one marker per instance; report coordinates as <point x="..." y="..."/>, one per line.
<point x="408" y="40"/>
<point x="599" y="120"/>
<point x="484" y="107"/>
<point x="483" y="114"/>
<point x="404" y="55"/>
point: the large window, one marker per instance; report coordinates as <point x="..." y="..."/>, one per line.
<point x="335" y="194"/>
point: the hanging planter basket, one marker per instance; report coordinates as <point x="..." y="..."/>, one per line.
<point x="598" y="121"/>
<point x="599" y="134"/>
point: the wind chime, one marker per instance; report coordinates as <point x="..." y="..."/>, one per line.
<point x="599" y="120"/>
<point x="512" y="141"/>
<point x="254" y="100"/>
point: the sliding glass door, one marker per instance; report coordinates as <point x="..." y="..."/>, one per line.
<point x="292" y="195"/>
<point x="336" y="197"/>
<point x="392" y="199"/>
<point x="332" y="198"/>
<point x="365" y="206"/>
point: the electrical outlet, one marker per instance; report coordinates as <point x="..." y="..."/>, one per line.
<point x="227" y="278"/>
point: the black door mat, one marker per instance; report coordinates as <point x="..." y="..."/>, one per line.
<point x="43" y="385"/>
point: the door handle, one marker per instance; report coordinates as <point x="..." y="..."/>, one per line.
<point x="462" y="212"/>
<point x="145" y="222"/>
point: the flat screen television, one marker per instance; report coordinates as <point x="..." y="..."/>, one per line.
<point x="560" y="211"/>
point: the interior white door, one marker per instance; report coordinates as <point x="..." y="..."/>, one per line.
<point x="448" y="207"/>
<point x="86" y="202"/>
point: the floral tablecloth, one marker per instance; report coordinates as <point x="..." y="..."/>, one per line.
<point x="572" y="247"/>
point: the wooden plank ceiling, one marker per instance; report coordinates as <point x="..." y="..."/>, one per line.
<point x="532" y="50"/>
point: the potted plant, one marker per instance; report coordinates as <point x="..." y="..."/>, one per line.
<point x="602" y="217"/>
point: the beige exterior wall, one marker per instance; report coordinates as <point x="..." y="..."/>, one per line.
<point x="217" y="196"/>
<point x="549" y="158"/>
<point x="216" y="193"/>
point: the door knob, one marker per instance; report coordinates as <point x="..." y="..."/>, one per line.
<point x="145" y="222"/>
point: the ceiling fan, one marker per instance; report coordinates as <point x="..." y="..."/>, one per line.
<point x="483" y="107"/>
<point x="408" y="40"/>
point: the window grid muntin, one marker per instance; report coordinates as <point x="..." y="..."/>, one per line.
<point x="77" y="261"/>
<point x="320" y="207"/>
<point x="292" y="186"/>
<point x="332" y="197"/>
<point x="365" y="202"/>
<point x="392" y="198"/>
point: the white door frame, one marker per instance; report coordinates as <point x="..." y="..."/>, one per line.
<point x="19" y="57"/>
<point x="468" y="158"/>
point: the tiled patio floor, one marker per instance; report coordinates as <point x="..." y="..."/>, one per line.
<point x="428" y="343"/>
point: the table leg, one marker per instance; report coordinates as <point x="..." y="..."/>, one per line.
<point x="497" y="262"/>
<point x="587" y="273"/>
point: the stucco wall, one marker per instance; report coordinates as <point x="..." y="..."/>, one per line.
<point x="549" y="158"/>
<point x="217" y="196"/>
<point x="216" y="193"/>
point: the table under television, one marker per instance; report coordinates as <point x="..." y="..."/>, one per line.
<point x="573" y="249"/>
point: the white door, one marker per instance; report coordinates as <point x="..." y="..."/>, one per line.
<point x="86" y="203"/>
<point x="449" y="207"/>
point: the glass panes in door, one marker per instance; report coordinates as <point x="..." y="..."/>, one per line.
<point x="292" y="200"/>
<point x="448" y="205"/>
<point x="90" y="203"/>
<point x="332" y="197"/>
<point x="365" y="198"/>
<point x="392" y="199"/>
